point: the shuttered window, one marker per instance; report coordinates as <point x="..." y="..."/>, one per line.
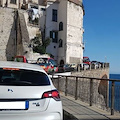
<point x="54" y="15"/>
<point x="54" y="36"/>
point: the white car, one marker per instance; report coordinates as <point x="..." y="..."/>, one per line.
<point x="86" y="66"/>
<point x="27" y="93"/>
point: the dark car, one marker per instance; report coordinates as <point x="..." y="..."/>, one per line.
<point x="95" y="64"/>
<point x="66" y="68"/>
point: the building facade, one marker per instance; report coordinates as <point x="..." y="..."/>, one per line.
<point x="62" y="21"/>
<point x="17" y="3"/>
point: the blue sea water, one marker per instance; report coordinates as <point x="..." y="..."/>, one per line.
<point x="115" y="76"/>
<point x="117" y="92"/>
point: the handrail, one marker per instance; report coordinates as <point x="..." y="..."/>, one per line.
<point x="115" y="80"/>
<point x="91" y="88"/>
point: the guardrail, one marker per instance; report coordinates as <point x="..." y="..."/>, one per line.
<point x="83" y="67"/>
<point x="90" y="90"/>
<point x="93" y="66"/>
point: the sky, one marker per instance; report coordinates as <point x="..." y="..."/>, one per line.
<point x="101" y="25"/>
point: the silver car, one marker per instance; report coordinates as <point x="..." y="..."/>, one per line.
<point x="27" y="93"/>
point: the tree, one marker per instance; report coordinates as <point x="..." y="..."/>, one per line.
<point x="40" y="45"/>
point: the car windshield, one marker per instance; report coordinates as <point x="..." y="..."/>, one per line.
<point x="42" y="60"/>
<point x="18" y="59"/>
<point x="20" y="77"/>
<point x="53" y="62"/>
<point x="67" y="65"/>
<point x="86" y="60"/>
<point x="46" y="61"/>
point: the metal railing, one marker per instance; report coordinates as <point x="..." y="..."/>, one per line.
<point x="90" y="91"/>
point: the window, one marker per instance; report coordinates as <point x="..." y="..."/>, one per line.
<point x="54" y="36"/>
<point x="54" y="15"/>
<point x="60" y="26"/>
<point x="22" y="77"/>
<point x="43" y="9"/>
<point x="13" y="1"/>
<point x="60" y="43"/>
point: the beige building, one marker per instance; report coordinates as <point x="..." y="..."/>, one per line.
<point x="62" y="21"/>
<point x="17" y="3"/>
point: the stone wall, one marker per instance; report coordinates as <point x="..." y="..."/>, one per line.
<point x="14" y="37"/>
<point x="7" y="33"/>
<point x="23" y="36"/>
<point x="100" y="88"/>
<point x="15" y="34"/>
<point x="26" y="32"/>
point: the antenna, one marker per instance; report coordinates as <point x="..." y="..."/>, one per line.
<point x="105" y="59"/>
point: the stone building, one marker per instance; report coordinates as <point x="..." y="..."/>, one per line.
<point x="17" y="3"/>
<point x="62" y="21"/>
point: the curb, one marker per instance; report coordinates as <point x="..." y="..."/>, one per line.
<point x="68" y="116"/>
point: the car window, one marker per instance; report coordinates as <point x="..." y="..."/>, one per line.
<point x="23" y="78"/>
<point x="52" y="62"/>
<point x="42" y="60"/>
<point x="18" y="60"/>
<point x="86" y="60"/>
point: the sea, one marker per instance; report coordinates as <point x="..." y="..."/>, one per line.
<point x="117" y="91"/>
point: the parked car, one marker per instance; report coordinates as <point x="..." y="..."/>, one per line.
<point x="95" y="64"/>
<point x="86" y="66"/>
<point x="48" y="64"/>
<point x="27" y="93"/>
<point x="65" y="68"/>
<point x="68" y="68"/>
<point x="74" y="65"/>
<point x="20" y="59"/>
<point x="86" y="60"/>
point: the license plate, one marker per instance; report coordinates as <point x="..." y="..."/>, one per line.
<point x="14" y="105"/>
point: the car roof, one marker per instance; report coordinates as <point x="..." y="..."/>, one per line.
<point x="85" y="57"/>
<point x="45" y="58"/>
<point x="20" y="65"/>
<point x="94" y="61"/>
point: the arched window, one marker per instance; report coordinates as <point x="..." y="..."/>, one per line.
<point x="60" y="26"/>
<point x="60" y="43"/>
